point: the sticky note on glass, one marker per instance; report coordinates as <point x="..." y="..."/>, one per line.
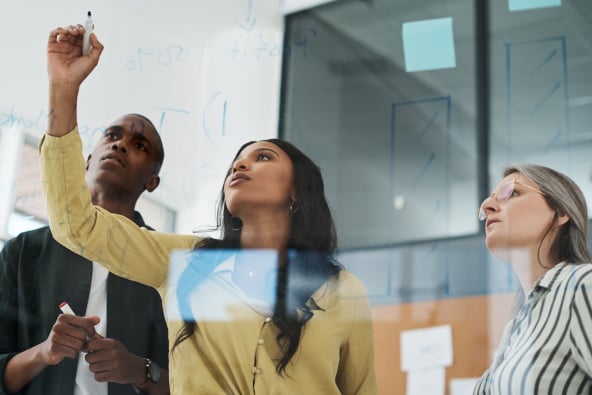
<point x="426" y="382"/>
<point x="429" y="45"/>
<point x="519" y="5"/>
<point x="463" y="386"/>
<point x="426" y="348"/>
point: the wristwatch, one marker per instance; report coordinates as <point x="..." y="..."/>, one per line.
<point x="152" y="371"/>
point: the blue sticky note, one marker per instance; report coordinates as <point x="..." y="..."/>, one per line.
<point x="519" y="5"/>
<point x="429" y="44"/>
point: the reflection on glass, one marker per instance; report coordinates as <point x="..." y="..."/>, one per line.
<point x="229" y="285"/>
<point x="220" y="285"/>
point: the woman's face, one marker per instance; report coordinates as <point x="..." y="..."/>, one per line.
<point x="261" y="178"/>
<point x="521" y="220"/>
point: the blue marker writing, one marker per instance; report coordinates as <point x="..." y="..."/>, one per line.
<point x="88" y="29"/>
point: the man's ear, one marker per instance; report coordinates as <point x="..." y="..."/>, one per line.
<point x="88" y="161"/>
<point x="152" y="183"/>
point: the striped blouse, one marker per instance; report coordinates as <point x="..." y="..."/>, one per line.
<point x="547" y="347"/>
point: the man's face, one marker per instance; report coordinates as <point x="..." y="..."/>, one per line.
<point x="127" y="157"/>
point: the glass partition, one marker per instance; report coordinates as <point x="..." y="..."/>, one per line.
<point x="412" y="110"/>
<point x="390" y="122"/>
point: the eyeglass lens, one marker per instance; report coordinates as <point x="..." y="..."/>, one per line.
<point x="505" y="191"/>
<point x="501" y="195"/>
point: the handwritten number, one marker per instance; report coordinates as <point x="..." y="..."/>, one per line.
<point x="165" y="56"/>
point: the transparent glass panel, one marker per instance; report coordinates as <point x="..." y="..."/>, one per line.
<point x="396" y="147"/>
<point x="397" y="144"/>
<point x="541" y="88"/>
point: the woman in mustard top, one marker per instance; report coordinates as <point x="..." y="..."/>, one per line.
<point x="311" y="332"/>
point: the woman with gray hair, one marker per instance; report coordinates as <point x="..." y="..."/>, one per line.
<point x="536" y="219"/>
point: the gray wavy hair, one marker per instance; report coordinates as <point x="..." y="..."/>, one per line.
<point x="564" y="197"/>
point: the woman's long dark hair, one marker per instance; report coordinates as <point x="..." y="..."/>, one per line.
<point x="309" y="262"/>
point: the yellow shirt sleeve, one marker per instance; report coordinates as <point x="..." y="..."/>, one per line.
<point x="88" y="230"/>
<point x="356" y="373"/>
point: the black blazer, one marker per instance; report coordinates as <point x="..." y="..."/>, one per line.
<point x="36" y="274"/>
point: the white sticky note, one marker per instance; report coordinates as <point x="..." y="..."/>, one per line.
<point x="429" y="45"/>
<point x="463" y="386"/>
<point x="426" y="381"/>
<point x="426" y="348"/>
<point x="519" y="5"/>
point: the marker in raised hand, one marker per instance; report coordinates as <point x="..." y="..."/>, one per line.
<point x="66" y="309"/>
<point x="88" y="29"/>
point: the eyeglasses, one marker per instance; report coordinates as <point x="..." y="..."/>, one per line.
<point x="503" y="194"/>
